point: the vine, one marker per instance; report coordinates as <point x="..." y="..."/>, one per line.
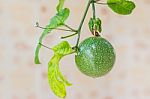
<point x="56" y="80"/>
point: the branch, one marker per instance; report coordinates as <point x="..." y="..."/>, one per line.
<point x="82" y="21"/>
<point x="37" y="25"/>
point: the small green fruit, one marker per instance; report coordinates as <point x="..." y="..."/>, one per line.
<point x="95" y="57"/>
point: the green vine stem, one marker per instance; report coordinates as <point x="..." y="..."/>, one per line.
<point x="82" y="21"/>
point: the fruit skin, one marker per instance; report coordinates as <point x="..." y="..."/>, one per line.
<point x="95" y="57"/>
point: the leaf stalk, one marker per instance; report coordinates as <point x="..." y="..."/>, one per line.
<point x="45" y="46"/>
<point x="69" y="35"/>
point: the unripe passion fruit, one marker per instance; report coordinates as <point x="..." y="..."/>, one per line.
<point x="95" y="57"/>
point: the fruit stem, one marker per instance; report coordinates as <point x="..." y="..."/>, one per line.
<point x="93" y="8"/>
<point x="82" y="21"/>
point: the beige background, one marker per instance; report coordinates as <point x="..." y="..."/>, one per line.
<point x="20" y="78"/>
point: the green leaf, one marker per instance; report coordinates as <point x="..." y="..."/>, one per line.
<point x="123" y="7"/>
<point x="56" y="21"/>
<point x="60" y="5"/>
<point x="57" y="81"/>
<point x="95" y="25"/>
<point x="62" y="48"/>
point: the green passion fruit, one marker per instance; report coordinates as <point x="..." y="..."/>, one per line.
<point x="95" y="56"/>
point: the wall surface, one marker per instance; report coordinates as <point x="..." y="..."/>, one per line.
<point x="20" y="78"/>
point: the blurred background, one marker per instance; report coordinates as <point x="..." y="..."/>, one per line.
<point x="20" y="78"/>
